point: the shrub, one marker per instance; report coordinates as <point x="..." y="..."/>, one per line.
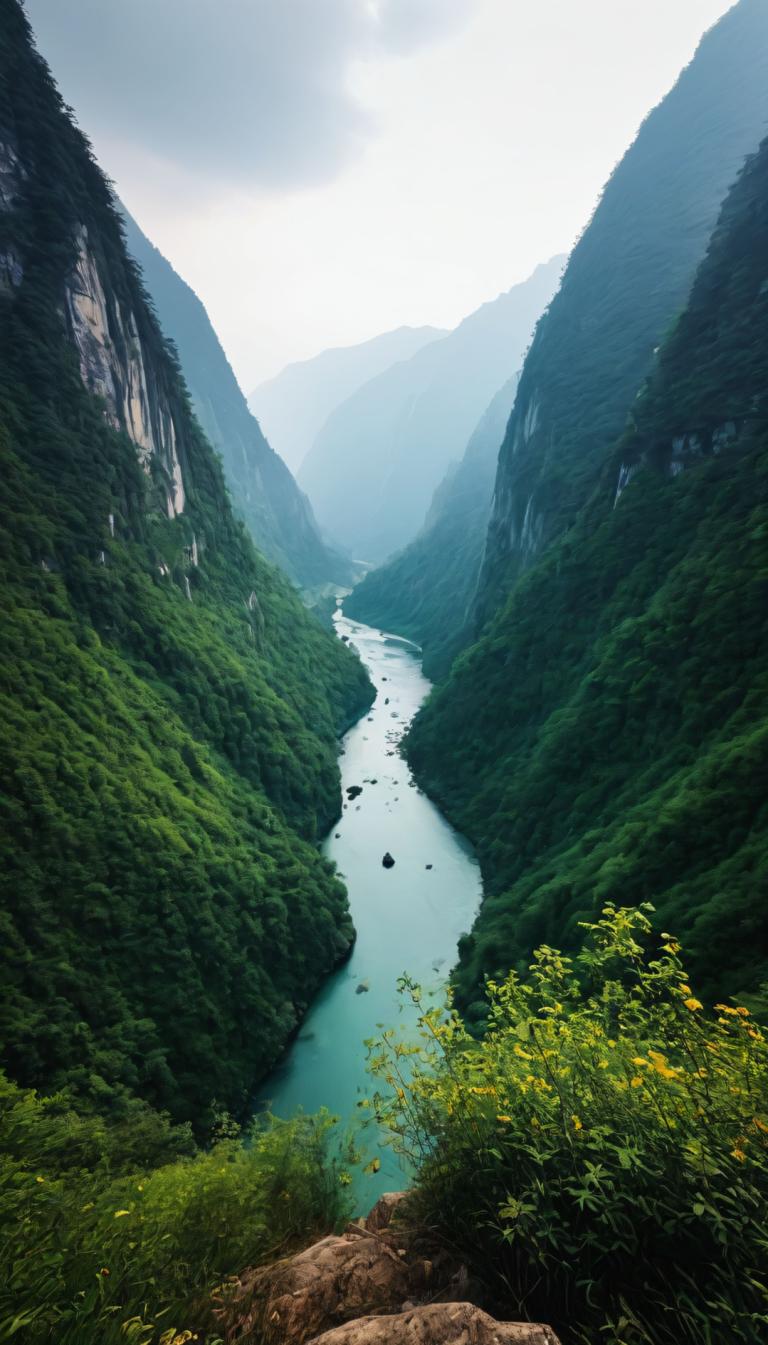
<point x="600" y="1158"/>
<point x="92" y="1253"/>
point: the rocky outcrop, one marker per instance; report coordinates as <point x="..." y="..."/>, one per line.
<point x="368" y="1286"/>
<point x="113" y="367"/>
<point x="438" y="1324"/>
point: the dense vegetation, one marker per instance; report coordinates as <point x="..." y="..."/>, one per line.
<point x="608" y="734"/>
<point x="626" y="282"/>
<point x="277" y="514"/>
<point x="426" y="591"/>
<point x="122" y="1232"/>
<point x="376" y="463"/>
<point x="600" y="1160"/>
<point x="169" y="711"/>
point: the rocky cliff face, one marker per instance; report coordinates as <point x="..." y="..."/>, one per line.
<point x="114" y="361"/>
<point x="627" y="279"/>
<point x="264" y="493"/>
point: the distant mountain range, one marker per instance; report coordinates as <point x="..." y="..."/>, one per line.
<point x="376" y="463"/>
<point x="294" y="406"/>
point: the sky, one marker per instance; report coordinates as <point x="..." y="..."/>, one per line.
<point x="324" y="170"/>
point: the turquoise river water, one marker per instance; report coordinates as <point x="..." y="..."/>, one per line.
<point x="408" y="918"/>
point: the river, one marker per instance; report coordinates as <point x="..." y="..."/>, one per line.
<point x="408" y="918"/>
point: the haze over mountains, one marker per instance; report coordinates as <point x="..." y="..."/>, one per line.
<point x="294" y="406"/>
<point x="374" y="466"/>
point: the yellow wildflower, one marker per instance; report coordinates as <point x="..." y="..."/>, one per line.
<point x="740" y="1154"/>
<point x="693" y="1004"/>
<point x="742" y="1012"/>
<point x="726" y="1008"/>
<point x="577" y="1123"/>
<point x="505" y="1120"/>
<point x="637" y="1082"/>
<point x="119" y="1214"/>
<point x="41" y="1180"/>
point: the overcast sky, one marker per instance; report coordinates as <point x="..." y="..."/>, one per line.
<point x="323" y="170"/>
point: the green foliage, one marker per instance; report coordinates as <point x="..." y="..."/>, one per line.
<point x="169" y="710"/>
<point x="608" y="733"/>
<point x="600" y="1160"/>
<point x="113" y="1234"/>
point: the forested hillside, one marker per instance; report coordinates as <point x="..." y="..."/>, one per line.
<point x="278" y="515"/>
<point x="626" y="282"/>
<point x="426" y="592"/>
<point x="377" y="462"/>
<point x="169" y="711"/>
<point x="606" y="739"/>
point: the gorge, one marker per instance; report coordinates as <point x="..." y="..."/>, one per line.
<point x="289" y="919"/>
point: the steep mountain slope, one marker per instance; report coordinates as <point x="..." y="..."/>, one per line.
<point x="609" y="734"/>
<point x="169" y="711"/>
<point x="626" y="281"/>
<point x="376" y="464"/>
<point x="277" y="514"/>
<point x="426" y="591"/>
<point x="294" y="406"/>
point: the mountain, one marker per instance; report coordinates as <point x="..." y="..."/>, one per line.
<point x="375" y="465"/>
<point x="277" y="514"/>
<point x="169" y="710"/>
<point x="627" y="279"/>
<point x="608" y="736"/>
<point x="294" y="406"/>
<point x="426" y="591"/>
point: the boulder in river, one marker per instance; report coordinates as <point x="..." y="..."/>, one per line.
<point x="363" y="988"/>
<point x="429" y="866"/>
<point x="353" y="791"/>
<point x="388" y="861"/>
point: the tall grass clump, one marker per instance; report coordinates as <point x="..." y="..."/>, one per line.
<point x="120" y="1234"/>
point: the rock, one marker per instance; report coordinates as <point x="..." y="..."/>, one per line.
<point x="386" y="700"/>
<point x="345" y="639"/>
<point x="428" y="866"/>
<point x="337" y="837"/>
<point x="388" y="861"/>
<point x="363" y="988"/>
<point x="385" y="1210"/>
<point x="334" y="1280"/>
<point x="437" y="1324"/>
<point x="354" y="791"/>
